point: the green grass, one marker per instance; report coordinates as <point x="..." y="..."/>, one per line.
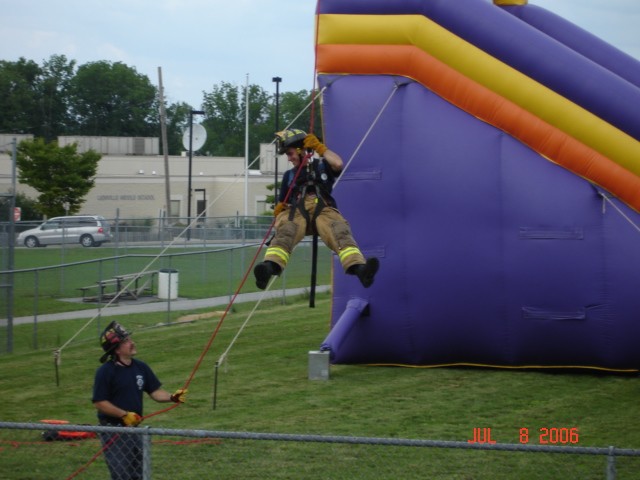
<point x="202" y="273"/>
<point x="263" y="387"/>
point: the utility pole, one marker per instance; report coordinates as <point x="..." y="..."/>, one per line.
<point x="275" y="187"/>
<point x="246" y="150"/>
<point x="11" y="241"/>
<point x="165" y="145"/>
<point x="191" y="114"/>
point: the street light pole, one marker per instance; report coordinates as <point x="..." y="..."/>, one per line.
<point x="277" y="80"/>
<point x="191" y="114"/>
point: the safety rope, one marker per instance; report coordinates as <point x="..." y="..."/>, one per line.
<point x="396" y="86"/>
<point x="243" y="281"/>
<point x="220" y="322"/>
<point x="606" y="200"/>
<point x="224" y="354"/>
<point x="95" y="456"/>
<point x="315" y="69"/>
<point x="58" y="352"/>
<point x="258" y="251"/>
<point x="244" y="278"/>
<point x="314" y="95"/>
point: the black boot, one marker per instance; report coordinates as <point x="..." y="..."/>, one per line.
<point x="366" y="272"/>
<point x="263" y="272"/>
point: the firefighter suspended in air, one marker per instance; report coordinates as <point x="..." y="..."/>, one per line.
<point x="305" y="207"/>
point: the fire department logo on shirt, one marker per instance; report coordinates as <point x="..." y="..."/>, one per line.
<point x="140" y="381"/>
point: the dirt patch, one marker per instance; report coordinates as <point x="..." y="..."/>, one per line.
<point x="200" y="316"/>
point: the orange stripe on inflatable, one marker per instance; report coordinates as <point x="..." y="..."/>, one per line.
<point x="479" y="101"/>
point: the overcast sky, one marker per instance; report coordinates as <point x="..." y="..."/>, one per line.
<point x="200" y="43"/>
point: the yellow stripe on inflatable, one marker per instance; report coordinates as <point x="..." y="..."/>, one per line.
<point x="507" y="367"/>
<point x="488" y="71"/>
<point x="509" y="2"/>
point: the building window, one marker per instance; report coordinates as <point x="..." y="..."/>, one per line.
<point x="261" y="205"/>
<point x="174" y="210"/>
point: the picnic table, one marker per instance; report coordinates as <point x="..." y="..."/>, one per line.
<point x="130" y="286"/>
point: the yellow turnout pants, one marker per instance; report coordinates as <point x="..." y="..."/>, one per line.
<point x="332" y="228"/>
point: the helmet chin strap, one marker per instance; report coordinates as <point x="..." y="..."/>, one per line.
<point x="118" y="360"/>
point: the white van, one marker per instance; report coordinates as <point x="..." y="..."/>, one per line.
<point x="88" y="230"/>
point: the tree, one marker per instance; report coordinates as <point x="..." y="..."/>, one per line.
<point x="295" y="110"/>
<point x="19" y="96"/>
<point x="28" y="207"/>
<point x="223" y="121"/>
<point x="113" y="99"/>
<point x="59" y="174"/>
<point x="177" y="122"/>
<point x="54" y="86"/>
<point x="34" y="99"/>
<point x="225" y="109"/>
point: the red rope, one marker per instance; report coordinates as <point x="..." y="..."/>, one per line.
<point x="244" y="278"/>
<point x="213" y="335"/>
<point x="315" y="71"/>
<point x="106" y="446"/>
<point x="293" y="182"/>
<point x="161" y="411"/>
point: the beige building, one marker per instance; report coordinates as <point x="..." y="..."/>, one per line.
<point x="132" y="180"/>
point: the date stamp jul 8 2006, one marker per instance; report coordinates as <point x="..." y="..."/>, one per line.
<point x="544" y="435"/>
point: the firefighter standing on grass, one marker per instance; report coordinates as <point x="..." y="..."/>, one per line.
<point x="309" y="209"/>
<point x="117" y="395"/>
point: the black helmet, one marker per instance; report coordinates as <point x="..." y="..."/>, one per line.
<point x="111" y="337"/>
<point x="289" y="138"/>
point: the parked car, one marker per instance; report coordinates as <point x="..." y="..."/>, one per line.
<point x="88" y="230"/>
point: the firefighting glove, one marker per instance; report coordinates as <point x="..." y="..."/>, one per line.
<point x="277" y="210"/>
<point x="131" y="419"/>
<point x="180" y="396"/>
<point x="312" y="142"/>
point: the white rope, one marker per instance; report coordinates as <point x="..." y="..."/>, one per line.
<point x="625" y="216"/>
<point x="224" y="354"/>
<point x="305" y="108"/>
<point x="192" y="223"/>
<point x="58" y="352"/>
<point x="366" y="135"/>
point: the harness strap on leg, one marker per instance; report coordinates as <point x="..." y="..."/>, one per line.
<point x="314" y="271"/>
<point x="314" y="252"/>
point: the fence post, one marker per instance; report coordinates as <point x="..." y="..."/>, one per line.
<point x="611" y="464"/>
<point x="146" y="454"/>
<point x="36" y="296"/>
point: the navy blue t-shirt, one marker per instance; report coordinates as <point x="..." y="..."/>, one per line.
<point x="325" y="178"/>
<point x="123" y="385"/>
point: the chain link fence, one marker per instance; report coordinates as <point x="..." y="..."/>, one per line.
<point x="39" y="451"/>
<point x="6" y="293"/>
<point x="210" y="265"/>
<point x="131" y="232"/>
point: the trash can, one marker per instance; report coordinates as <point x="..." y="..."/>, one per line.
<point x="318" y="365"/>
<point x="167" y="284"/>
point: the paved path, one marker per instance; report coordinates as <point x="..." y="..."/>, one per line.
<point x="124" y="308"/>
